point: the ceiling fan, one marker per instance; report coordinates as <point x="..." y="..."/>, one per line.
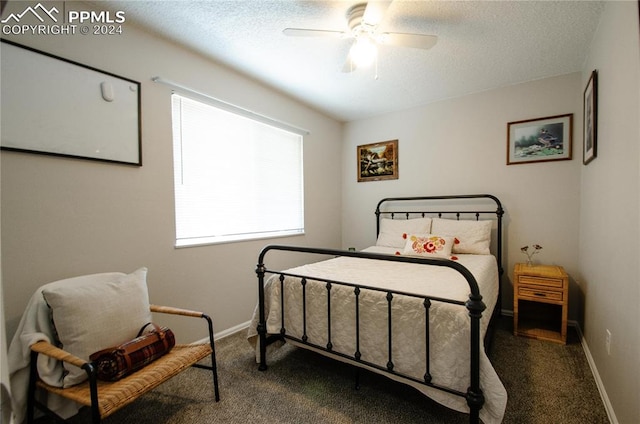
<point x="363" y="20"/>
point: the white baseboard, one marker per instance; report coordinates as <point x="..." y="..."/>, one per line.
<point x="596" y="375"/>
<point x="592" y="365"/>
<point x="225" y="333"/>
<point x="232" y="330"/>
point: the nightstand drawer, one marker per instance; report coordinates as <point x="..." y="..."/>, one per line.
<point x="535" y="293"/>
<point x="540" y="281"/>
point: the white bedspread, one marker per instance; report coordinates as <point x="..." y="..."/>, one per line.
<point x="449" y="324"/>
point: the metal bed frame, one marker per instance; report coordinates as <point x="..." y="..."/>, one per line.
<point x="474" y="395"/>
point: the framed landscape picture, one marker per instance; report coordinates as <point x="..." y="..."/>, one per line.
<point x="378" y="161"/>
<point x="539" y="140"/>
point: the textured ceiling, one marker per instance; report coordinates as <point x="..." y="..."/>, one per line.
<point x="481" y="45"/>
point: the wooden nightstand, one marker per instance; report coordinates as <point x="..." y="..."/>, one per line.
<point x="540" y="302"/>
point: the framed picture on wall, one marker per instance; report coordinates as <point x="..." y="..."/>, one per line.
<point x="58" y="107"/>
<point x="378" y="161"/>
<point x="590" y="119"/>
<point x="540" y="139"/>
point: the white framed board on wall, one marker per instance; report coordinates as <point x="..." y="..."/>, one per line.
<point x="55" y="106"/>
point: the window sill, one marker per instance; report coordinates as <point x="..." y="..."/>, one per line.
<point x="208" y="241"/>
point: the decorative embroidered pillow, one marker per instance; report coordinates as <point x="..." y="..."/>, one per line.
<point x="96" y="311"/>
<point x="472" y="237"/>
<point x="393" y="232"/>
<point x="428" y="245"/>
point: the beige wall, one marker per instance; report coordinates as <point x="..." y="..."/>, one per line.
<point x="610" y="213"/>
<point x="64" y="217"/>
<point x="67" y="217"/>
<point x="459" y="146"/>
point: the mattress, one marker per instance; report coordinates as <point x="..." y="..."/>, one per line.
<point x="448" y="323"/>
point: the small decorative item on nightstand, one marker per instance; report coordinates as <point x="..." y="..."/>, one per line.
<point x="540" y="302"/>
<point x="535" y="248"/>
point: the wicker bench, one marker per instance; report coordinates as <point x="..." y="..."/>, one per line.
<point x="103" y="397"/>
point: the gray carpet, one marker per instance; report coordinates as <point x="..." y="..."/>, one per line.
<point x="546" y="383"/>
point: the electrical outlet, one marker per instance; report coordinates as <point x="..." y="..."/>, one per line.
<point x="607" y="342"/>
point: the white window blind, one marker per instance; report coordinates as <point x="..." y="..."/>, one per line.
<point x="235" y="178"/>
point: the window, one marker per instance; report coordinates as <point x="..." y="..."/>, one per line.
<point x="236" y="178"/>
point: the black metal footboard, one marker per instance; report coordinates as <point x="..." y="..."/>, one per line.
<point x="475" y="306"/>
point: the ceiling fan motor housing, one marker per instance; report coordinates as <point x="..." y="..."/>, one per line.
<point x="354" y="17"/>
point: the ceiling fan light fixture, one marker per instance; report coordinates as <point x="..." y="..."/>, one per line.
<point x="363" y="52"/>
<point x="363" y="20"/>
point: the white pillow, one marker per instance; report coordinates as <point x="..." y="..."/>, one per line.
<point x="472" y="237"/>
<point x="95" y="312"/>
<point x="393" y="232"/>
<point x="428" y="245"/>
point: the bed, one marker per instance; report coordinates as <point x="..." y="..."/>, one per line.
<point x="415" y="307"/>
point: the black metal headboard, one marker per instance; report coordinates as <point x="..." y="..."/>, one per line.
<point x="423" y="206"/>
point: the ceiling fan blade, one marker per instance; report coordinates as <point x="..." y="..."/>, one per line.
<point x="375" y="11"/>
<point x="349" y="65"/>
<point x="302" y="32"/>
<point x="417" y="41"/>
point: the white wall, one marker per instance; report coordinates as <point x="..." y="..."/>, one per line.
<point x="610" y="214"/>
<point x="459" y="146"/>
<point x="67" y="217"/>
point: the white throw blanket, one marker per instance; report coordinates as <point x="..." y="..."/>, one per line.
<point x="35" y="325"/>
<point x="449" y="324"/>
